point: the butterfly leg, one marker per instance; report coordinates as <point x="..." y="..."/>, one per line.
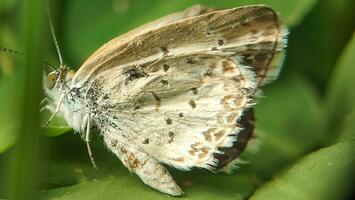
<point x="47" y="104"/>
<point x="45" y="100"/>
<point x="87" y="140"/>
<point x="147" y="168"/>
<point x="57" y="109"/>
<point x="46" y="107"/>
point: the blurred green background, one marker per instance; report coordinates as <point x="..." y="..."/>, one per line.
<point x="305" y="125"/>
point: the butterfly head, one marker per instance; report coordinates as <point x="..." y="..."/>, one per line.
<point x="58" y="78"/>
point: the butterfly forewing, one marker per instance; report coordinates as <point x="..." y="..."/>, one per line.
<point x="250" y="33"/>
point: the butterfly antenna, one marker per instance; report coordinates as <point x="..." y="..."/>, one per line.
<point x="54" y="37"/>
<point x="50" y="65"/>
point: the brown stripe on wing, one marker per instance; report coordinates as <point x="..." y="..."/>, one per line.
<point x="233" y="152"/>
<point x="264" y="39"/>
<point x="264" y="62"/>
<point x="266" y="56"/>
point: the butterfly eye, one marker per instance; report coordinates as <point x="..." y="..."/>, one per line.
<point x="51" y="80"/>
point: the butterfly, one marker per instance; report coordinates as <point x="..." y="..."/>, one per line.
<point x="177" y="91"/>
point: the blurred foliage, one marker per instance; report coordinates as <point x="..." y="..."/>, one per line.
<point x="9" y="111"/>
<point x="316" y="44"/>
<point x="305" y="124"/>
<point x="315" y="176"/>
<point x="6" y="5"/>
<point x="21" y="95"/>
<point x="340" y="100"/>
<point x="290" y="123"/>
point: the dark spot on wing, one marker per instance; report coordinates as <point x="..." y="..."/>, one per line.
<point x="190" y="61"/>
<point x="105" y="97"/>
<point x="164" y="50"/>
<point x="171" y="137"/>
<point x="146" y="141"/>
<point x="164" y="82"/>
<point x="133" y="74"/>
<point x="123" y="150"/>
<point x="214" y="49"/>
<point x="166" y="67"/>
<point x="192" y="103"/>
<point x="169" y="121"/>
<point x="194" y="90"/>
<point x="157" y="99"/>
<point x="220" y="42"/>
<point x="114" y="143"/>
<point x="181" y="115"/>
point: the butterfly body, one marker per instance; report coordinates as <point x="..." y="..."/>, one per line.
<point x="177" y="91"/>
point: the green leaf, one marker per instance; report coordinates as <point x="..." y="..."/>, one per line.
<point x="340" y="100"/>
<point x="87" y="29"/>
<point x="57" y="126"/>
<point x="322" y="175"/>
<point x="348" y="129"/>
<point x="112" y="180"/>
<point x="289" y="123"/>
<point x="315" y="45"/>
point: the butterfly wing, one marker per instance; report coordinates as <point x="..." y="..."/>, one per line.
<point x="183" y="92"/>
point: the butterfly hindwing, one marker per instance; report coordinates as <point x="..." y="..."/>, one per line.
<point x="180" y="111"/>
